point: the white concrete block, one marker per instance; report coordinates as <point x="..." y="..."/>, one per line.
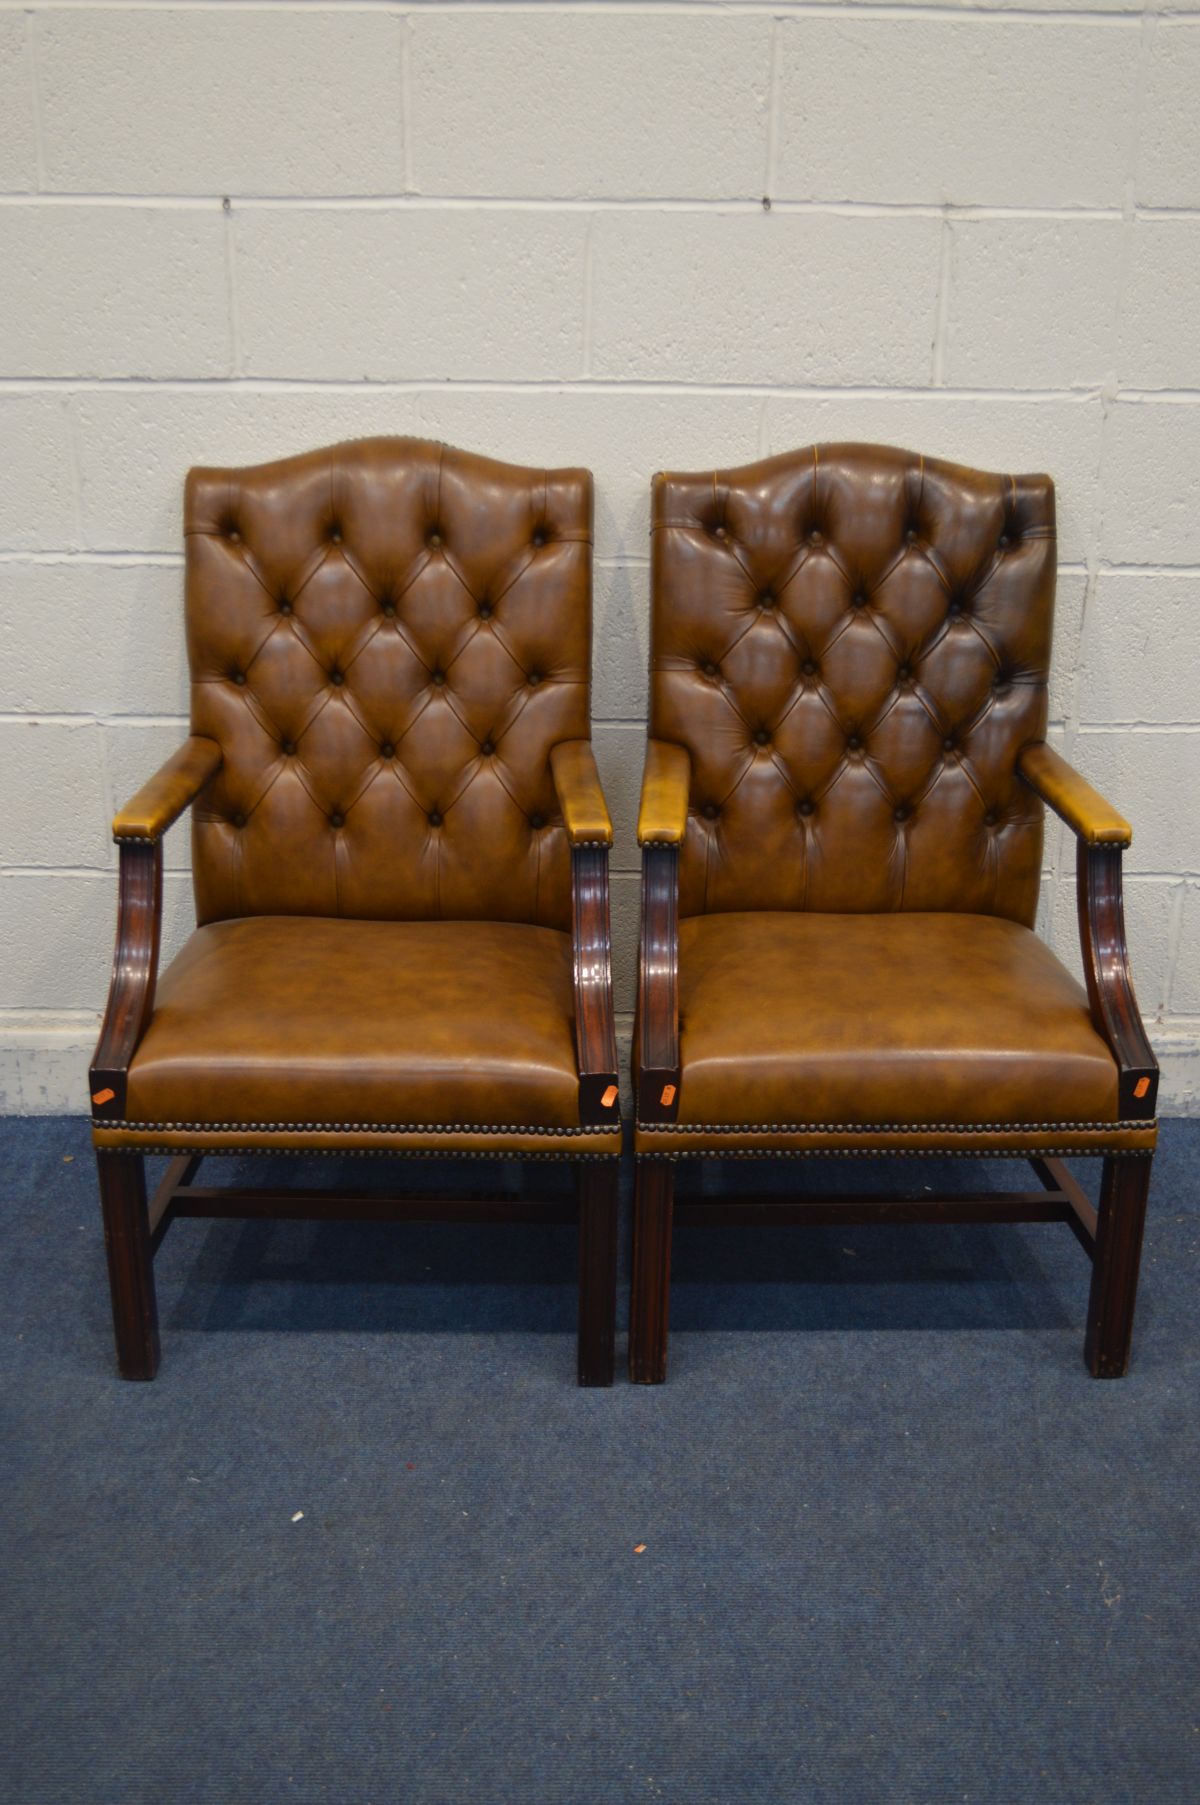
<point x="426" y="294"/>
<point x="37" y="496"/>
<point x="1150" y="484"/>
<point x="113" y="291"/>
<point x="620" y="642"/>
<point x="1141" y="649"/>
<point x="92" y="639"/>
<point x="622" y="437"/>
<point x="1033" y="302"/>
<point x="44" y="1061"/>
<point x="18" y="150"/>
<point x="625" y="908"/>
<point x="781" y="298"/>
<point x="1149" y="906"/>
<point x="1168" y="163"/>
<point x="1014" y="435"/>
<point x="136" y="447"/>
<point x="1154" y="780"/>
<point x="977" y="111"/>
<point x="1064" y="658"/>
<point x="57" y="930"/>
<point x="227" y="101"/>
<point x="1160" y="309"/>
<point x="1185" y="986"/>
<point x="134" y="751"/>
<point x="57" y="808"/>
<point x="571" y="104"/>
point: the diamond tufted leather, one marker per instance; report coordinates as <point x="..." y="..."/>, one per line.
<point x="386" y="642"/>
<point x="852" y="643"/>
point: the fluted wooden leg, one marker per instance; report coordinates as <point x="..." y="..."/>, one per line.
<point x="1122" y="1216"/>
<point x="650" y="1298"/>
<point x="597" y="1182"/>
<point x="130" y="1263"/>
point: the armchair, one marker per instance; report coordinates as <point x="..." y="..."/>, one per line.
<point x="400" y="860"/>
<point x="841" y="831"/>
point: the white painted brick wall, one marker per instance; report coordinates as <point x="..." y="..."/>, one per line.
<point x="231" y="232"/>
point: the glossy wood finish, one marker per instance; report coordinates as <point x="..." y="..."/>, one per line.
<point x="1124" y="1188"/>
<point x="127" y="1243"/>
<point x="597" y="1187"/>
<point x="358" y="1206"/>
<point x="595" y="1026"/>
<point x="1109" y="983"/>
<point x="134" y="973"/>
<point x="658" y="986"/>
<point x="850" y="1210"/>
<point x="650" y="1295"/>
<point x="1079" y="1215"/>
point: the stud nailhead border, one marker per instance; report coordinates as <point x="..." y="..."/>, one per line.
<point x="869" y="1128"/>
<point x="136" y="839"/>
<point x="338" y="1128"/>
<point x="518" y="1153"/>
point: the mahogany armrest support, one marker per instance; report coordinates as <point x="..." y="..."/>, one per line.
<point x="1072" y="797"/>
<point x="666" y="785"/>
<point x="1101" y="838"/>
<point x="658" y="986"/>
<point x="580" y="796"/>
<point x="161" y="801"/>
<point x="595" y="1023"/>
<point x="138" y="831"/>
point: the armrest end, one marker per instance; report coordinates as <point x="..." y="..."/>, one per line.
<point x="1072" y="797"/>
<point x="148" y="815"/>
<point x="580" y="794"/>
<point x="666" y="782"/>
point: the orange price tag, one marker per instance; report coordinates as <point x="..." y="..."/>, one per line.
<point x="668" y="1096"/>
<point x="609" y="1097"/>
<point x="103" y="1096"/>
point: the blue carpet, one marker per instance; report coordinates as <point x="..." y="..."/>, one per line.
<point x="898" y="1546"/>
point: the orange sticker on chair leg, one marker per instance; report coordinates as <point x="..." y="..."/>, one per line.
<point x="1141" y="1087"/>
<point x="609" y="1097"/>
<point x="103" y="1096"/>
<point x="668" y="1096"/>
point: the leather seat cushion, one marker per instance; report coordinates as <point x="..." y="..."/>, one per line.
<point x="883" y="1019"/>
<point x="299" y="1019"/>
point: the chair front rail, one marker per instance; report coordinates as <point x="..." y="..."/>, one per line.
<point x="658" y="986"/>
<point x="595" y="1024"/>
<point x="134" y="974"/>
<point x="1110" y="989"/>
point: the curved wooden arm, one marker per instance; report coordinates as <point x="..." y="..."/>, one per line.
<point x="658" y="986"/>
<point x="134" y="973"/>
<point x="1072" y="797"/>
<point x="580" y="796"/>
<point x="595" y="1024"/>
<point x="158" y="803"/>
<point x="1110" y="990"/>
<point x="666" y="782"/>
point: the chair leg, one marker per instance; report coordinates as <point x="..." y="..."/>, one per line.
<point x="130" y="1263"/>
<point x="597" y="1182"/>
<point x="1122" y="1216"/>
<point x="650" y="1297"/>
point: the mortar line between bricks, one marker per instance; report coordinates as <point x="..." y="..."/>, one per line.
<point x="429" y="387"/>
<point x="734" y="205"/>
<point x="788" y="9"/>
<point x="35" y="98"/>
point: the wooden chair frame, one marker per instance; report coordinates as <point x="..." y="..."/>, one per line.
<point x="134" y="1226"/>
<point x="1110" y="1236"/>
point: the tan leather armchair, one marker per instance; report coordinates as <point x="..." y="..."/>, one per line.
<point x="841" y="825"/>
<point x="400" y="857"/>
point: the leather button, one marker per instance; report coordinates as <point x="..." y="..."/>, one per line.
<point x="536" y="821"/>
<point x="854" y="744"/>
<point x="709" y="811"/>
<point x="387" y="750"/>
<point x="1001" y="680"/>
<point x="903" y="672"/>
<point x="804" y="808"/>
<point x="535" y="677"/>
<point x="335" y="537"/>
<point x="239" y="820"/>
<point x="485" y="611"/>
<point x="910" y="537"/>
<point x="287" y="747"/>
<point x="766" y="599"/>
<point x="539" y="537"/>
<point x="901" y="814"/>
<point x="718" y="532"/>
<point x="1002" y="541"/>
<point x="487" y="748"/>
<point x="285" y="607"/>
<point x="336" y="678"/>
<point x="860" y="598"/>
<point x="434" y="538"/>
<point x="814" y="537"/>
<point x="437" y="678"/>
<point x="762" y="737"/>
<point x="990" y="818"/>
<point x="710" y="670"/>
<point x="239" y="677"/>
<point x="809" y="668"/>
<point x="337" y="819"/>
<point x="948" y="744"/>
<point x="232" y="534"/>
<point x="435" y="819"/>
<point x="389" y="609"/>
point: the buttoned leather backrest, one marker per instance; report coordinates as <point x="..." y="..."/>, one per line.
<point x="386" y="639"/>
<point x="853" y="643"/>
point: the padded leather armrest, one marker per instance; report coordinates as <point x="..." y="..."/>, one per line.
<point x="666" y="781"/>
<point x="161" y="801"/>
<point x="580" y="797"/>
<point x="1061" y="787"/>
